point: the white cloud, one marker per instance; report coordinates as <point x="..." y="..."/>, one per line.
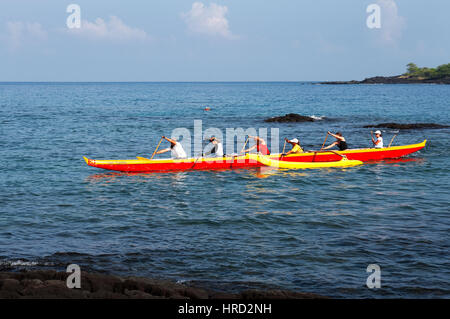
<point x="208" y="20"/>
<point x="19" y="32"/>
<point x="392" y="24"/>
<point x="114" y="29"/>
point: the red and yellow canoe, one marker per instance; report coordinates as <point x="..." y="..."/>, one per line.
<point x="244" y="161"/>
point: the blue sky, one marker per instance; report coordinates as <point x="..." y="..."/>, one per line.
<point x="220" y="40"/>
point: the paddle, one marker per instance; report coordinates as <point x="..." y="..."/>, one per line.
<point x="284" y="146"/>
<point x="156" y="148"/>
<point x="200" y="156"/>
<point x="324" y="142"/>
<point x="245" y="144"/>
<point x="341" y="155"/>
<point x="392" y="140"/>
<point x="326" y="151"/>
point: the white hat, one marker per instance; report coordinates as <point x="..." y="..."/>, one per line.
<point x="294" y="140"/>
<point x="378" y="132"/>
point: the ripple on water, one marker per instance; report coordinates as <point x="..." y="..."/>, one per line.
<point x="311" y="230"/>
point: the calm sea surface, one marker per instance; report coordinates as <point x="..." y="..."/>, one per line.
<point x="309" y="230"/>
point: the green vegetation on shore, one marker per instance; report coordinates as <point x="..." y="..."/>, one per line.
<point x="414" y="71"/>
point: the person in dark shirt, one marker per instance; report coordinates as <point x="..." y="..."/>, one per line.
<point x="217" y="149"/>
<point x="340" y="142"/>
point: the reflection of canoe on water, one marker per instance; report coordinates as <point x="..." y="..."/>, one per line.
<point x="227" y="162"/>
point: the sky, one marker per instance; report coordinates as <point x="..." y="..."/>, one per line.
<point x="219" y="40"/>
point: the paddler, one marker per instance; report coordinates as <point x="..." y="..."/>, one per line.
<point x="378" y="142"/>
<point x="296" y="148"/>
<point x="217" y="148"/>
<point x="175" y="147"/>
<point x="340" y="142"/>
<point x="260" y="146"/>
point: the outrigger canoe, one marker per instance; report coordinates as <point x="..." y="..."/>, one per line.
<point x="244" y="161"/>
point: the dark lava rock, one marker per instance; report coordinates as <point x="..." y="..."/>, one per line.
<point x="50" y="285"/>
<point x="398" y="79"/>
<point x="277" y="294"/>
<point x="10" y="288"/>
<point x="291" y="117"/>
<point x="341" y="82"/>
<point x="99" y="282"/>
<point x="399" y="126"/>
<point x="12" y="285"/>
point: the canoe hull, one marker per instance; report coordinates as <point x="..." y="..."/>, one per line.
<point x="363" y="154"/>
<point x="265" y="160"/>
<point x="172" y="165"/>
<point x="145" y="165"/>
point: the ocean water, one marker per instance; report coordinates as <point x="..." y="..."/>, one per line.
<point x="308" y="230"/>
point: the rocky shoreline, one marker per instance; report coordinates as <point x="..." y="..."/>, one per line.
<point x="290" y="118"/>
<point x="399" y="79"/>
<point x="49" y="284"/>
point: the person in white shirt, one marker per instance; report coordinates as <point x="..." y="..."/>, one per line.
<point x="217" y="148"/>
<point x="175" y="147"/>
<point x="378" y="142"/>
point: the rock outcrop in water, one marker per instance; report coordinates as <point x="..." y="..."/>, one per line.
<point x="414" y="75"/>
<point x="399" y="126"/>
<point x="399" y="79"/>
<point x="289" y="118"/>
<point x="52" y="284"/>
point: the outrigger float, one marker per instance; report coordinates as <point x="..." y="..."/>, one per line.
<point x="310" y="159"/>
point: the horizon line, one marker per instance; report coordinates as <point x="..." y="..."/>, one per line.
<point x="232" y="81"/>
